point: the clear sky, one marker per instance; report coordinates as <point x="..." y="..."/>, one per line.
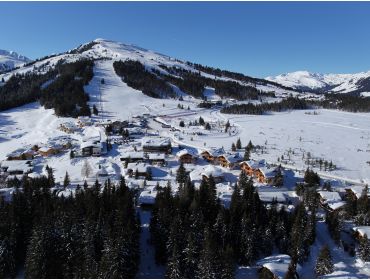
<point x="255" y="38"/>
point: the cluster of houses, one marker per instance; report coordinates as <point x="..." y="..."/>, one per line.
<point x="258" y="169"/>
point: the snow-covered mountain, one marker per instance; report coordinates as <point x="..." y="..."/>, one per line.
<point x="111" y="50"/>
<point x="10" y="60"/>
<point x="331" y="83"/>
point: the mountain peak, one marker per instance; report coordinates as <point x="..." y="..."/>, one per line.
<point x="11" y="59"/>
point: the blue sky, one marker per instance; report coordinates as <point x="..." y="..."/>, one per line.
<point x="255" y="38"/>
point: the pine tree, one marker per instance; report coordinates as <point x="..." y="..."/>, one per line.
<point x="174" y="270"/>
<point x="233" y="147"/>
<point x="95" y="110"/>
<point x="238" y="144"/>
<point x="181" y="174"/>
<point x="247" y="155"/>
<point x="66" y="180"/>
<point x="324" y="263"/>
<point x="364" y="249"/>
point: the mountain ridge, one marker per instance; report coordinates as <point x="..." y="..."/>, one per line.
<point x="330" y="83"/>
<point x="10" y="60"/>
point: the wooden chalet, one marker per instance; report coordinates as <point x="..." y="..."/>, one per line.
<point x="156" y="145"/>
<point x="184" y="156"/>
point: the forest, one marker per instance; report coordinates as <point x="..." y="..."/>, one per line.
<point x="290" y="103"/>
<point x="94" y="234"/>
<point x="195" y="236"/>
<point x="137" y="77"/>
<point x="60" y="89"/>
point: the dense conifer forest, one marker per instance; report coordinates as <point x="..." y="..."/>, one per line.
<point x="196" y="237"/>
<point x="92" y="235"/>
<point x="60" y="88"/>
<point x="291" y="103"/>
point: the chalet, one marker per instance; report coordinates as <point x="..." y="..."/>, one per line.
<point x="48" y="151"/>
<point x="250" y="166"/>
<point x="156" y="145"/>
<point x="275" y="266"/>
<point x="157" y="159"/>
<point x="354" y="191"/>
<point x="132" y="156"/>
<point x="21" y="154"/>
<point x="16" y="167"/>
<point x="212" y="154"/>
<point x="142" y="169"/>
<point x="91" y="148"/>
<point x="330" y="201"/>
<point x="359" y="232"/>
<point x="269" y="197"/>
<point x="265" y="175"/>
<point x="185" y="156"/>
<point x="214" y="171"/>
<point x="229" y="160"/>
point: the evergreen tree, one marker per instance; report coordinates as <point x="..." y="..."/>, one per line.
<point x="66" y="180"/>
<point x="233" y="147"/>
<point x="324" y="263"/>
<point x="238" y="144"/>
<point x="181" y="174"/>
<point x="364" y="249"/>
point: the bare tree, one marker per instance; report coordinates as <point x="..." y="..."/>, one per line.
<point x="86" y="170"/>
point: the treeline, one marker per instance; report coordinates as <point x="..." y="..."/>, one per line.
<point x="157" y="84"/>
<point x="196" y="237"/>
<point x="66" y="93"/>
<point x="290" y="103"/>
<point x="137" y="77"/>
<point x="346" y="102"/>
<point x="234" y="75"/>
<point x="21" y="89"/>
<point x="194" y="84"/>
<point x="94" y="234"/>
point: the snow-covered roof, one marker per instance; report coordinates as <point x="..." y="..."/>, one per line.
<point x="357" y="190"/>
<point x="147" y="197"/>
<point x="268" y="172"/>
<point x="183" y="152"/>
<point x="156" y="141"/>
<point x="91" y="144"/>
<point x="212" y="170"/>
<point x="153" y="156"/>
<point x="363" y="230"/>
<point x="139" y="166"/>
<point x="132" y="154"/>
<point x="134" y="130"/>
<point x="20" y="151"/>
<point x="271" y="196"/>
<point x="277" y="264"/>
<point x="332" y="199"/>
<point x="255" y="164"/>
<point x="17" y="165"/>
<point x="215" y="151"/>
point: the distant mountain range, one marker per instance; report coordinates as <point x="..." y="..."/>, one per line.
<point x="9" y="60"/>
<point x="325" y="83"/>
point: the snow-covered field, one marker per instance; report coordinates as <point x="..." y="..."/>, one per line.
<point x="340" y="137"/>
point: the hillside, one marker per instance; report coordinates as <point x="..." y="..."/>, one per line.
<point x="325" y="83"/>
<point x="9" y="60"/>
<point x="157" y="75"/>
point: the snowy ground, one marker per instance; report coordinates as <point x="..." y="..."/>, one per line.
<point x="341" y="137"/>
